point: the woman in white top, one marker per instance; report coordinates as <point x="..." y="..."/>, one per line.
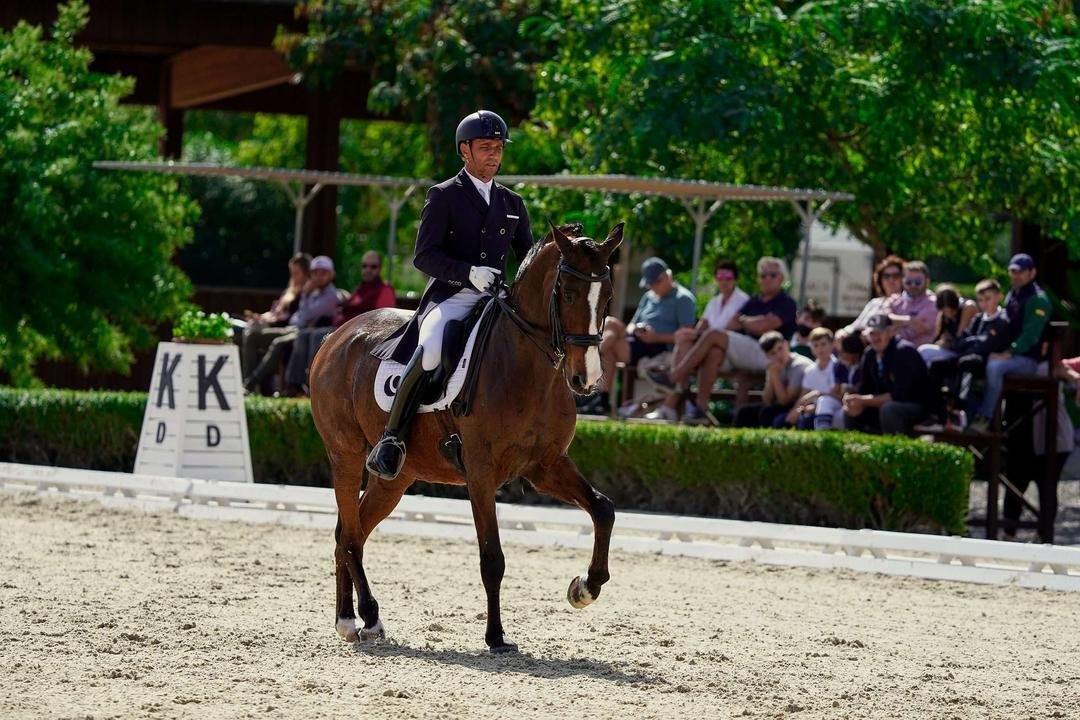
<point x="888" y="281"/>
<point x="721" y="313"/>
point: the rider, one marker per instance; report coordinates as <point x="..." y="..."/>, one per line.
<point x="467" y="225"/>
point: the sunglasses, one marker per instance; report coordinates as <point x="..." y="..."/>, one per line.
<point x="366" y="266"/>
<point x="725" y="275"/>
<point x="914" y="282"/>
<point x="768" y="275"/>
<point x="890" y="275"/>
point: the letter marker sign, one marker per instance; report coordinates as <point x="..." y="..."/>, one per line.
<point x="194" y="424"/>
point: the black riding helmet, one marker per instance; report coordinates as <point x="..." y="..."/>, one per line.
<point x="481" y="125"/>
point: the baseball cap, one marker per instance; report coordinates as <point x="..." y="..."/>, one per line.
<point x="1021" y="261"/>
<point x="651" y="270"/>
<point x="322" y="262"/>
<point x="879" y="322"/>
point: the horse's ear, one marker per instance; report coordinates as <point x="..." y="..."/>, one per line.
<point x="613" y="239"/>
<point x="560" y="238"/>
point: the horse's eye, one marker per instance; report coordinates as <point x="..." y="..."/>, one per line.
<point x="569" y="296"/>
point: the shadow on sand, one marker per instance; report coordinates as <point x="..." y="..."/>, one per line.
<point x="519" y="662"/>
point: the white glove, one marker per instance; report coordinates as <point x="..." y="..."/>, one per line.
<point x="482" y="277"/>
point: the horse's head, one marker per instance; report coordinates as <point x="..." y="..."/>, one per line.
<point x="580" y="283"/>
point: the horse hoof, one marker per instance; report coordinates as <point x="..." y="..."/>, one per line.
<point x="578" y="593"/>
<point x="503" y="648"/>
<point x="374" y="633"/>
<point x="346" y="628"/>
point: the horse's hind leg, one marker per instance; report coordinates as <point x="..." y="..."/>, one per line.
<point x="563" y="481"/>
<point x="356" y="525"/>
<point x="345" y="622"/>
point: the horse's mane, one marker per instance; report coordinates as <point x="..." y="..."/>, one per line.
<point x="571" y="230"/>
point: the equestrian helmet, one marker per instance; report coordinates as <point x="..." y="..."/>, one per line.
<point x="481" y="125"/>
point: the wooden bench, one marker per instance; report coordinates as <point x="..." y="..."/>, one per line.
<point x="747" y="386"/>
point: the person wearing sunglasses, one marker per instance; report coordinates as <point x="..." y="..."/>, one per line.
<point x="371" y="294"/>
<point x="888" y="280"/>
<point x="914" y="312"/>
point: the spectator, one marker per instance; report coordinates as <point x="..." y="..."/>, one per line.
<point x="737" y="347"/>
<point x="1028" y="309"/>
<point x="848" y="369"/>
<point x="693" y="346"/>
<point x="372" y="293"/>
<point x="892" y="380"/>
<point x="914" y="310"/>
<point x="665" y="307"/>
<point x="954" y="315"/>
<point x="783" y="382"/>
<point x="987" y="333"/>
<point x="260" y="330"/>
<point x="822" y="387"/>
<point x="1070" y="373"/>
<point x="888" y="281"/>
<point x="318" y="302"/>
<point x="811" y="316"/>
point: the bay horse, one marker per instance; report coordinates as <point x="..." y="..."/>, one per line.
<point x="543" y="349"/>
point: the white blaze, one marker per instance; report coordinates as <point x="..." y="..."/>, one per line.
<point x="593" y="369"/>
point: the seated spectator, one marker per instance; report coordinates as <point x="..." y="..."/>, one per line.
<point x="372" y="293"/>
<point x="260" y="330"/>
<point x="822" y="387"/>
<point x="914" y="311"/>
<point x="1069" y="371"/>
<point x="783" y="382"/>
<point x="737" y="347"/>
<point x="665" y="307"/>
<point x="848" y="369"/>
<point x="888" y="281"/>
<point x="719" y="314"/>
<point x="811" y="316"/>
<point x="954" y="315"/>
<point x="987" y="333"/>
<point x="892" y="381"/>
<point x="1028" y="308"/>
<point x="317" y="301"/>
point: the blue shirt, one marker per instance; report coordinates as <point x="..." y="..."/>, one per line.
<point x="321" y="303"/>
<point x="666" y="314"/>
<point x="781" y="305"/>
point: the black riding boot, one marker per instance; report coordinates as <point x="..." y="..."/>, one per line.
<point x="388" y="455"/>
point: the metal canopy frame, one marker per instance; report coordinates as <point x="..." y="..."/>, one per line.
<point x="700" y="198"/>
<point x="301" y="187"/>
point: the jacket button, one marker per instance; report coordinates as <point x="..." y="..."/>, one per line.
<point x="483" y="255"/>
<point x="502" y="257"/>
<point x="483" y="231"/>
<point x="502" y="231"/>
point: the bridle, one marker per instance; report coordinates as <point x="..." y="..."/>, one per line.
<point x="557" y="342"/>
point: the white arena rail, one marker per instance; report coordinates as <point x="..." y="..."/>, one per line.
<point x="927" y="556"/>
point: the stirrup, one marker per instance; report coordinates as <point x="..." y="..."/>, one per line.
<point x="387" y="457"/>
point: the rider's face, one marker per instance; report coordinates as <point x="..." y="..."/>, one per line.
<point x="482" y="157"/>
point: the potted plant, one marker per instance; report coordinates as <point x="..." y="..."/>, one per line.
<point x="195" y="326"/>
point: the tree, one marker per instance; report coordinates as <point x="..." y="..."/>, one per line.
<point x="940" y="116"/>
<point x="434" y="59"/>
<point x="87" y="267"/>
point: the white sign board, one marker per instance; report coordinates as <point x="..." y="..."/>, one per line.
<point x="194" y="425"/>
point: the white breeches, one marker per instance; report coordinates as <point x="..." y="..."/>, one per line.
<point x="454" y="307"/>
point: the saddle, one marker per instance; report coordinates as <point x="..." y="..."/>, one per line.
<point x="452" y="385"/>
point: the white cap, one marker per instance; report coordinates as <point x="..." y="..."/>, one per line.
<point x="322" y="262"/>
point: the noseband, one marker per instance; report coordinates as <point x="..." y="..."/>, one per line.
<point x="556" y="350"/>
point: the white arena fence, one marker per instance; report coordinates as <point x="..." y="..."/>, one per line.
<point x="925" y="556"/>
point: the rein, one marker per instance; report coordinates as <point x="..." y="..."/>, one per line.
<point x="555" y="349"/>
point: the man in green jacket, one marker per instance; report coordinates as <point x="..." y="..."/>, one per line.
<point x="1028" y="308"/>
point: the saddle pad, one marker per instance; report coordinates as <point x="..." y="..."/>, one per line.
<point x="389" y="375"/>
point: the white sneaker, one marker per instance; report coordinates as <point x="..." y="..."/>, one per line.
<point x="663" y="412"/>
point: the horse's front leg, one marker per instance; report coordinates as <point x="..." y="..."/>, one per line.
<point x="563" y="481"/>
<point x="492" y="563"/>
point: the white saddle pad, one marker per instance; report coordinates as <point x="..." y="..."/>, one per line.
<point x="389" y="374"/>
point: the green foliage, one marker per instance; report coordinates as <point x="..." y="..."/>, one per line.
<point x="843" y="479"/>
<point x="87" y="269"/>
<point x="938" y="115"/>
<point x="435" y="61"/>
<point x="197" y="325"/>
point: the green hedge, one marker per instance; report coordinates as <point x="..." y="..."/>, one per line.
<point x="821" y="478"/>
